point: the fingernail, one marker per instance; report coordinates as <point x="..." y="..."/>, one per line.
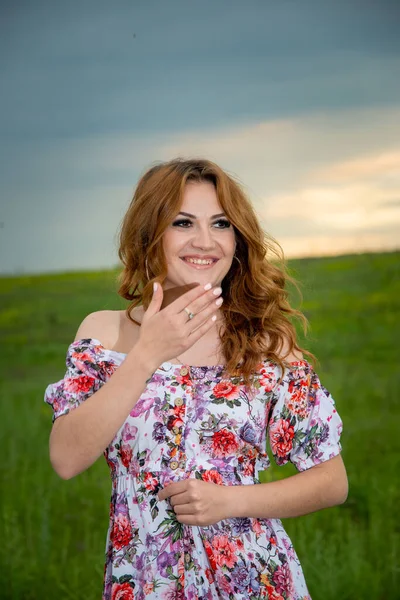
<point x="208" y="286"/>
<point x="217" y="291"/>
<point x="219" y="301"/>
<point x="155" y="286"/>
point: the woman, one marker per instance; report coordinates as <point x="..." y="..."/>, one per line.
<point x="180" y="392"/>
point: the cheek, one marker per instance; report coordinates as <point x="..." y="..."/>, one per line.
<point x="231" y="244"/>
<point x="168" y="242"/>
<point x="171" y="245"/>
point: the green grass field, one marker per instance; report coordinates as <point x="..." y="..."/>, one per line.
<point x="53" y="532"/>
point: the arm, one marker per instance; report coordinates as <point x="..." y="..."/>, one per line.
<point x="78" y="438"/>
<point x="201" y="503"/>
<point x="320" y="487"/>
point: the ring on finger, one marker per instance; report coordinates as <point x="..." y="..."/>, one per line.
<point x="189" y="314"/>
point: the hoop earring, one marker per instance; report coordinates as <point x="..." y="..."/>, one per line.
<point x="240" y="264"/>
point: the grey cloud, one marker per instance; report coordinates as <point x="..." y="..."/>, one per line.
<point x="76" y="66"/>
<point x="74" y="77"/>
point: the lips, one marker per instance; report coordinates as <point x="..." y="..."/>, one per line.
<point x="195" y="257"/>
<point x="199" y="258"/>
<point x="189" y="260"/>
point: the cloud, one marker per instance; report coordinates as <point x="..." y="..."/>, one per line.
<point x="312" y="183"/>
<point x="359" y="212"/>
<point x="385" y="165"/>
<point x="314" y="188"/>
<point x="83" y="71"/>
<point x="349" y="206"/>
<point x="268" y="154"/>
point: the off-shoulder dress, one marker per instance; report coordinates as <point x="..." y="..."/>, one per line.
<point x="192" y="422"/>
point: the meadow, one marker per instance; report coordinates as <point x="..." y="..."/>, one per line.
<point x="52" y="532"/>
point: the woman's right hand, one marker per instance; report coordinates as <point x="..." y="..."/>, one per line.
<point x="166" y="333"/>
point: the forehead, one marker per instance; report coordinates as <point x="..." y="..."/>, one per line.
<point x="200" y="198"/>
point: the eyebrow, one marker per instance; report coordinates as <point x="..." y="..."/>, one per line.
<point x="194" y="216"/>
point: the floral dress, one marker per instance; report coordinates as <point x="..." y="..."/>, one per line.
<point x="192" y="422"/>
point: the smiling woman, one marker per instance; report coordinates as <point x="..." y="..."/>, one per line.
<point x="180" y="393"/>
<point x="186" y="211"/>
<point x="204" y="242"/>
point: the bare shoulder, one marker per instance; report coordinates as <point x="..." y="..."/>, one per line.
<point x="287" y="355"/>
<point x="113" y="328"/>
<point x="103" y="325"/>
<point x="294" y="356"/>
<point x="290" y="356"/>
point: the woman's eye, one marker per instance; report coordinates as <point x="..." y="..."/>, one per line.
<point x="181" y="222"/>
<point x="222" y="224"/>
<point x="185" y="223"/>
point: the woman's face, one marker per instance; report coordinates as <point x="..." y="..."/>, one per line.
<point x="200" y="243"/>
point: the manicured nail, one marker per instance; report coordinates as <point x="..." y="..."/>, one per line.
<point x="155" y="286"/>
<point x="208" y="286"/>
<point x="217" y="291"/>
<point x="219" y="301"/>
<point x="214" y="318"/>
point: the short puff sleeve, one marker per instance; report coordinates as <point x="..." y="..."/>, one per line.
<point x="303" y="426"/>
<point x="87" y="371"/>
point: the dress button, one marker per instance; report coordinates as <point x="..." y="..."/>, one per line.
<point x="178" y="401"/>
<point x="184" y="371"/>
<point x="173" y="465"/>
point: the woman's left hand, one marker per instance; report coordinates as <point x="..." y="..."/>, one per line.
<point x="197" y="502"/>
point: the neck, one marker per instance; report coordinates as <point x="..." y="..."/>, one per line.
<point x="172" y="294"/>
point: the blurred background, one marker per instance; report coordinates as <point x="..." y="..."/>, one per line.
<point x="300" y="100"/>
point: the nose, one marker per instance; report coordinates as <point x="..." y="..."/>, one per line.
<point x="203" y="238"/>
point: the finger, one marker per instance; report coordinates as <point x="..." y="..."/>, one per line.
<point x="202" y="330"/>
<point x="171" y="489"/>
<point x="182" y="498"/>
<point x="186" y="299"/>
<point x="187" y="519"/>
<point x="184" y="509"/>
<point x="156" y="300"/>
<point x="190" y="520"/>
<point x="201" y="323"/>
<point x="202" y="316"/>
<point x="205" y="301"/>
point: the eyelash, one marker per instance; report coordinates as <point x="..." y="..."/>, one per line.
<point x="185" y="221"/>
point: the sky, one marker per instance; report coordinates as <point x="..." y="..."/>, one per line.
<point x="298" y="99"/>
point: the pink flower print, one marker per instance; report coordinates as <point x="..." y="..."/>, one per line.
<point x="281" y="436"/>
<point x="256" y="527"/>
<point x="150" y="482"/>
<point x="121" y="533"/>
<point x="224" y="551"/>
<point x="80" y="358"/>
<point x="129" y="432"/>
<point x="148" y="588"/>
<point x="267" y="379"/>
<point x="75" y="385"/>
<point x="282" y="579"/>
<point x="126" y="454"/>
<point x="226" y="389"/>
<point x="289" y="548"/>
<point x="224" y="443"/>
<point x="143" y="405"/>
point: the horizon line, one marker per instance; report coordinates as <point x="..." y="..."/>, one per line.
<point x="55" y="273"/>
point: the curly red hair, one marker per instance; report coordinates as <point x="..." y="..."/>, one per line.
<point x="257" y="314"/>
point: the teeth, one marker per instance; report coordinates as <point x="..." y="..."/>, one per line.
<point x="199" y="261"/>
